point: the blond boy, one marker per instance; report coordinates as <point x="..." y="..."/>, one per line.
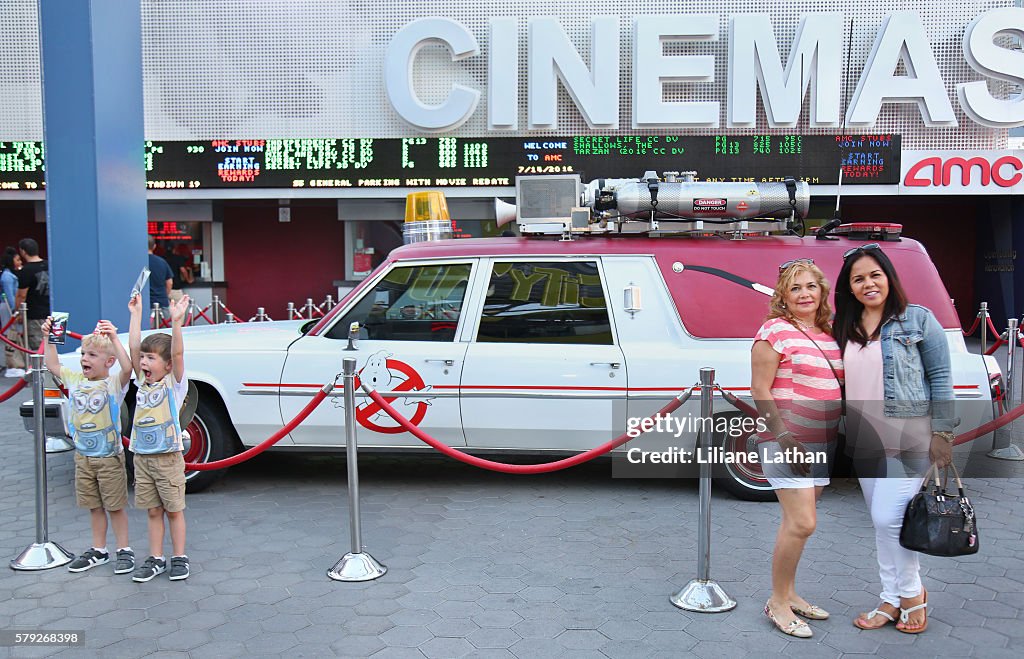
<point x="101" y="484"/>
<point x="159" y="367"/>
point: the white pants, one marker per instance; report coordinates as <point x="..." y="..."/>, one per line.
<point x="898" y="567"/>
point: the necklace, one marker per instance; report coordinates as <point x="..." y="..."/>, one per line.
<point x="805" y="326"/>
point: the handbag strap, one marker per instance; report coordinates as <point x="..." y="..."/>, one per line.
<point x="842" y="385"/>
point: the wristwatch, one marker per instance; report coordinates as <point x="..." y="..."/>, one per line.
<point x="946" y="435"/>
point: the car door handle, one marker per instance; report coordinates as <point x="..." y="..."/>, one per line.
<point x="446" y="362"/>
<point x="612" y="364"/>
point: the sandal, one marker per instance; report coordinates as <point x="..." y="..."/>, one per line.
<point x="905" y="617"/>
<point x="813" y="611"/>
<point x="796" y="628"/>
<point x="871" y="615"/>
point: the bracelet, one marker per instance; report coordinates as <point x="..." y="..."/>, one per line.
<point x="946" y="435"/>
<point x="784" y="433"/>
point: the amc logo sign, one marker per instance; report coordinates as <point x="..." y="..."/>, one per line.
<point x="975" y="172"/>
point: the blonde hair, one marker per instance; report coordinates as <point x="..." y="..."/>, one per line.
<point x="777" y="307"/>
<point x="100" y="342"/>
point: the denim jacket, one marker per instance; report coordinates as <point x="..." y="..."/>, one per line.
<point x="916" y="368"/>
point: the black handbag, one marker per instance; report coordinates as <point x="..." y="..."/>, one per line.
<point x="939" y="523"/>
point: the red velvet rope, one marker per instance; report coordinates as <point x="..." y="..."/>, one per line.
<point x="10" y="322"/>
<point x="15" y="388"/>
<point x="542" y="468"/>
<point x="262" y="446"/>
<point x="991" y="326"/>
<point x="977" y="321"/>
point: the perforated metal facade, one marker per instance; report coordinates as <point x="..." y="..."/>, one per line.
<point x="313" y="68"/>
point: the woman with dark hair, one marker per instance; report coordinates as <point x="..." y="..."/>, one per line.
<point x="796" y="373"/>
<point x="10" y="263"/>
<point x="899" y="416"/>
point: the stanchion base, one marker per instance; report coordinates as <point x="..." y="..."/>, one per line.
<point x="703" y="597"/>
<point x="357" y="567"/>
<point x="42" y="557"/>
<point x="1011" y="452"/>
<point x="58" y="445"/>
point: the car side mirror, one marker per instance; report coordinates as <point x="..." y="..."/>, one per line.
<point x="308" y="325"/>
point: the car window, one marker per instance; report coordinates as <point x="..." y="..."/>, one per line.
<point x="411" y="303"/>
<point x="558" y="302"/>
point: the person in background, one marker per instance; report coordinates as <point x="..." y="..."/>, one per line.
<point x="161" y="281"/>
<point x="10" y="263"/>
<point x="33" y="289"/>
<point x="796" y="382"/>
<point x="181" y="273"/>
<point x="899" y="397"/>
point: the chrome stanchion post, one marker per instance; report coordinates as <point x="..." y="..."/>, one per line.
<point x="308" y="309"/>
<point x="42" y="554"/>
<point x="157" y="320"/>
<point x="291" y="311"/>
<point x="215" y="310"/>
<point x="984" y="327"/>
<point x="24" y="328"/>
<point x="703" y="594"/>
<point x="356" y="565"/>
<point x="1003" y="447"/>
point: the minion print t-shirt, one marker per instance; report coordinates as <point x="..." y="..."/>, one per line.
<point x="157" y="406"/>
<point x="95" y="417"/>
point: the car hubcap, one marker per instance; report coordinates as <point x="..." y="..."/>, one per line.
<point x="197" y="446"/>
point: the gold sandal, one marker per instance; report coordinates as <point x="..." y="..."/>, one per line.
<point x="796" y="628"/>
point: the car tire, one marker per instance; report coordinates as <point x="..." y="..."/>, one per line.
<point x="743" y="480"/>
<point x="212" y="438"/>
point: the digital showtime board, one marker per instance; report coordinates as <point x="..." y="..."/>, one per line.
<point x="449" y="162"/>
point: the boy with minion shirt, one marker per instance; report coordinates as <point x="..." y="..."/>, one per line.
<point x="159" y="366"/>
<point x="101" y="484"/>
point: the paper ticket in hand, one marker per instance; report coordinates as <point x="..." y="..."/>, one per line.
<point x="140" y="282"/>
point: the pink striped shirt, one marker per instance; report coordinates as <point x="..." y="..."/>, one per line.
<point x="805" y="389"/>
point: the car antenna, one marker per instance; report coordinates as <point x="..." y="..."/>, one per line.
<point x="837" y="219"/>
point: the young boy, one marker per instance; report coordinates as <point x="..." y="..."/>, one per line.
<point x="101" y="484"/>
<point x="159" y="366"/>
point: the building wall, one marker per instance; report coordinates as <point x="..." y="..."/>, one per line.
<point x="268" y="263"/>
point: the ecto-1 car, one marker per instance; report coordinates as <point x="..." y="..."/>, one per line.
<point x="529" y="345"/>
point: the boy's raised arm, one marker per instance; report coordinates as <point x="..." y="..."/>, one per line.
<point x="178" y="311"/>
<point x="107" y="328"/>
<point x="52" y="361"/>
<point x="135" y="332"/>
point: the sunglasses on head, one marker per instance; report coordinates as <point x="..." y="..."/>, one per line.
<point x="862" y="248"/>
<point x="793" y="262"/>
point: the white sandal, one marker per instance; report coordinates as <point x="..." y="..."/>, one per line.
<point x="905" y="617"/>
<point x="869" y="616"/>
<point x="796" y="628"/>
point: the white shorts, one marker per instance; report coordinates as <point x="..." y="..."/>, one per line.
<point x="780" y="473"/>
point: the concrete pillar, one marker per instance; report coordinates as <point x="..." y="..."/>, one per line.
<point x="91" y="57"/>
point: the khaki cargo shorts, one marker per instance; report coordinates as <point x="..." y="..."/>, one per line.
<point x="160" y="481"/>
<point x="101" y="482"/>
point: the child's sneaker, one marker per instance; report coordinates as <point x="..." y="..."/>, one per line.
<point x="150" y="567"/>
<point x="179" y="568"/>
<point x="90" y="559"/>
<point x="125" y="561"/>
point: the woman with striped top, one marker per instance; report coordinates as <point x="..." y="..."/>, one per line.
<point x="796" y="381"/>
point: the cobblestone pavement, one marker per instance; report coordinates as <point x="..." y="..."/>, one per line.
<point x="574" y="564"/>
